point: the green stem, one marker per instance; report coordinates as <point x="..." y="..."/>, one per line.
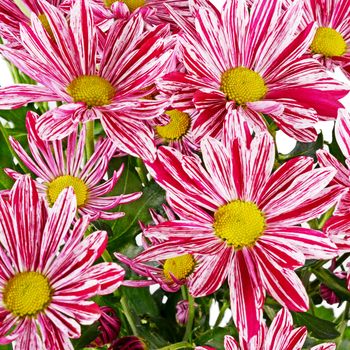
<point x="181" y="345"/>
<point x="106" y="256"/>
<point x="221" y="314"/>
<point x="184" y="292"/>
<point x="128" y="316"/>
<point x="189" y="325"/>
<point x="90" y="142"/>
<point x="325" y="217"/>
<point x="344" y="318"/>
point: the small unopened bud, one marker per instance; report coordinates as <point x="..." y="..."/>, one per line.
<point x="128" y="343"/>
<point x="182" y="312"/>
<point x="328" y="294"/>
<point x="109" y="328"/>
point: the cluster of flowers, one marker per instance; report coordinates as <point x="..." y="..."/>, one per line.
<point x="195" y="93"/>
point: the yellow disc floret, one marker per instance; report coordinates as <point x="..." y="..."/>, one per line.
<point x="56" y="186"/>
<point x="328" y="42"/>
<point x="243" y="85"/>
<point x="239" y="223"/>
<point x="131" y="4"/>
<point x="27" y="294"/>
<point x="177" y="127"/>
<point x="92" y="90"/>
<point x="180" y="267"/>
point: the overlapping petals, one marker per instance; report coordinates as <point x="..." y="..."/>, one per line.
<point x="51" y="249"/>
<point x="239" y="168"/>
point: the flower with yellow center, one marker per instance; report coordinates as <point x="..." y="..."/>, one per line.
<point x="180" y="267"/>
<point x="239" y="223"/>
<point x="27" y="294"/>
<point x="56" y="186"/>
<point x="328" y="42"/>
<point x="243" y="85"/>
<point x="177" y="127"/>
<point x="131" y="4"/>
<point x="92" y="90"/>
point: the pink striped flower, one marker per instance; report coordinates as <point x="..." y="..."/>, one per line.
<point x="331" y="42"/>
<point x="280" y="336"/>
<point x="326" y="159"/>
<point x="47" y="279"/>
<point x="253" y="61"/>
<point x="108" y="85"/>
<point x="154" y="12"/>
<point x="243" y="220"/>
<point x="171" y="273"/>
<point x="57" y="168"/>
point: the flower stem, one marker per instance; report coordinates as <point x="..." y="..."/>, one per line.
<point x="221" y="314"/>
<point x="189" y="325"/>
<point x="90" y="142"/>
<point x="181" y="345"/>
<point x="128" y="315"/>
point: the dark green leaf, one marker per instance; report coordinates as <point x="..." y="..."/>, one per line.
<point x="317" y="327"/>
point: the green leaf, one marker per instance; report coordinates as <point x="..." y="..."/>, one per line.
<point x="335" y="150"/>
<point x="88" y="334"/>
<point x="333" y="282"/>
<point x="304" y="149"/>
<point x="317" y="327"/>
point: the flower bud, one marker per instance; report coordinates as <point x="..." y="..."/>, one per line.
<point x="109" y="328"/>
<point x="128" y="343"/>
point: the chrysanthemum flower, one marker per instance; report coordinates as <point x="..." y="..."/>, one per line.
<point x="57" y="168"/>
<point x="279" y="336"/>
<point x="325" y="159"/>
<point x="154" y="12"/>
<point x="106" y="85"/>
<point x="174" y="128"/>
<point x="331" y="43"/>
<point x="47" y="279"/>
<point x="171" y="273"/>
<point x="243" y="220"/>
<point x="254" y="62"/>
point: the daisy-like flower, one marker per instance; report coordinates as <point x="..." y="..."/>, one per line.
<point x="280" y="336"/>
<point x="253" y="61"/>
<point x="57" y="168"/>
<point x="107" y="85"/>
<point x="154" y="12"/>
<point x="171" y="273"/>
<point x="243" y="220"/>
<point x="326" y="159"/>
<point x="47" y="279"/>
<point x="331" y="42"/>
<point x="174" y="128"/>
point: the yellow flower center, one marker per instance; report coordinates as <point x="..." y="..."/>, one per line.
<point x="56" y="186"/>
<point x="328" y="42"/>
<point x="131" y="4"/>
<point x="180" y="267"/>
<point x="243" y="85"/>
<point x="239" y="223"/>
<point x="92" y="90"/>
<point x="177" y="127"/>
<point x="45" y="22"/>
<point x="27" y="294"/>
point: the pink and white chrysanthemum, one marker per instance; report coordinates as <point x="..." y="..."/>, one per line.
<point x="47" y="279"/>
<point x="280" y="336"/>
<point x="108" y="85"/>
<point x="243" y="220"/>
<point x="331" y="43"/>
<point x="326" y="159"/>
<point x="174" y="128"/>
<point x="171" y="273"/>
<point x="154" y="12"/>
<point x="254" y="62"/>
<point x="57" y="168"/>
